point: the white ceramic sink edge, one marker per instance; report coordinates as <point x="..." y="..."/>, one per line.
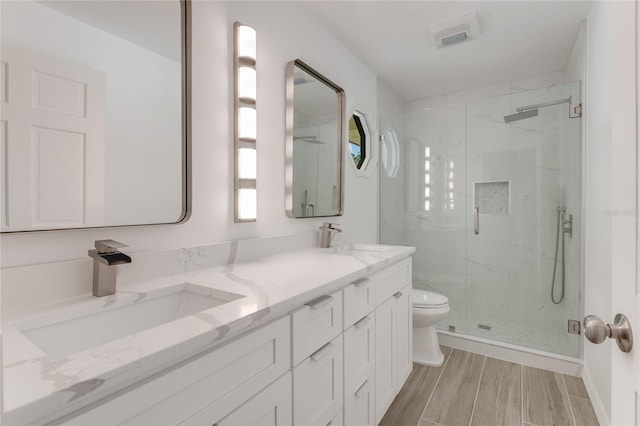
<point x="351" y="249"/>
<point x="98" y="322"/>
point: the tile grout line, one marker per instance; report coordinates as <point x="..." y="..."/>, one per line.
<point x="475" y="400"/>
<point x="579" y="397"/>
<point x="444" y="366"/>
<point x="566" y="389"/>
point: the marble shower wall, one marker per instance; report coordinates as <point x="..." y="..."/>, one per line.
<point x="392" y="170"/>
<point x="501" y="277"/>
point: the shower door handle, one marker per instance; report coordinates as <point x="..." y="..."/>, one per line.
<point x="476" y="220"/>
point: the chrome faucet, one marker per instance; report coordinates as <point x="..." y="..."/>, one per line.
<point x="327" y="230"/>
<point x="105" y="258"/>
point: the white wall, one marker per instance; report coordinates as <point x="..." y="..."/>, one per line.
<point x="212" y="217"/>
<point x="597" y="296"/>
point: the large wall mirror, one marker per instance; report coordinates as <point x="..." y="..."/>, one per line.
<point x="315" y="135"/>
<point x="94" y="119"/>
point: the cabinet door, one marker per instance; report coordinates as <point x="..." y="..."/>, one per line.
<point x="386" y="361"/>
<point x="404" y="330"/>
<point x="270" y="407"/>
<point x="359" y="353"/>
<point x="359" y="410"/>
<point x="318" y="385"/>
<point x="393" y="342"/>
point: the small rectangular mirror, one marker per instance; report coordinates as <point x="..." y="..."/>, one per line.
<point x="315" y="135"/>
<point x="94" y="113"/>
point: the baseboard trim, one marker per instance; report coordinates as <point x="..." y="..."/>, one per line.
<point x="507" y="352"/>
<point x="596" y="402"/>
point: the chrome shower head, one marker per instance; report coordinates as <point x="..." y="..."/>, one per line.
<point x="521" y="115"/>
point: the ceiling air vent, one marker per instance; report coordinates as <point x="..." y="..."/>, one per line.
<point x="455" y="30"/>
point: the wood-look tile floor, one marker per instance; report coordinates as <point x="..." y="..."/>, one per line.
<point x="476" y="390"/>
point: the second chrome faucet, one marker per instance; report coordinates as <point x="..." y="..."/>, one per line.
<point x="326" y="233"/>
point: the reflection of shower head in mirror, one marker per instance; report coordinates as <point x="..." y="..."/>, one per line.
<point x="309" y="139"/>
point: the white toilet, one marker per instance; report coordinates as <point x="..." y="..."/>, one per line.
<point x="428" y="309"/>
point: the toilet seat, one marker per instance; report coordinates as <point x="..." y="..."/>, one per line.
<point x="425" y="299"/>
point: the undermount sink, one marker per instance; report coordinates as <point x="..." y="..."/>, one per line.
<point x="104" y="320"/>
<point x="371" y="247"/>
<point x="355" y="248"/>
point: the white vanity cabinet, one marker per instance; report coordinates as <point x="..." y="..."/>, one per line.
<point x="359" y="410"/>
<point x="315" y="324"/>
<point x="377" y="345"/>
<point x="270" y="407"/>
<point x="317" y="349"/>
<point x="393" y="338"/>
<point x="216" y="382"/>
<point x="341" y="358"/>
<point x="393" y="348"/>
<point x="317" y="385"/>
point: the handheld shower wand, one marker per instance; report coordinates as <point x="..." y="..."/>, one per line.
<point x="563" y="227"/>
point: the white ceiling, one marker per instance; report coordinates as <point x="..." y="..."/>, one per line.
<point x="518" y="38"/>
<point x="154" y="25"/>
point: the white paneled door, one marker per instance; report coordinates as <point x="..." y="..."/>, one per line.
<point x="625" y="256"/>
<point x="52" y="129"/>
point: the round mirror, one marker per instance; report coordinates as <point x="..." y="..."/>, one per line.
<point x="359" y="140"/>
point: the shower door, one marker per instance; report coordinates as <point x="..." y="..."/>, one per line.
<point x="518" y="176"/>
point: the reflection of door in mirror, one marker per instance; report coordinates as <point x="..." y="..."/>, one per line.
<point x="315" y="130"/>
<point x="92" y="113"/>
<point x="59" y="106"/>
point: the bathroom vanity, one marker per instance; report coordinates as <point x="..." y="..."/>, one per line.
<point x="320" y="336"/>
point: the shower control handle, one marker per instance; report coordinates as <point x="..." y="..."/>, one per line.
<point x="596" y="331"/>
<point x="476" y="220"/>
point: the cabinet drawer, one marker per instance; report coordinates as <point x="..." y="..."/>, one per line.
<point x="270" y="407"/>
<point x="316" y="323"/>
<point x="391" y="280"/>
<point x="228" y="375"/>
<point x="359" y="300"/>
<point x="359" y="410"/>
<point x="318" y="386"/>
<point x="359" y="353"/>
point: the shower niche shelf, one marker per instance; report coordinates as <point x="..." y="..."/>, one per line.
<point x="492" y="197"/>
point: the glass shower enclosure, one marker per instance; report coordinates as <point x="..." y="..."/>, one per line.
<point x="490" y="188"/>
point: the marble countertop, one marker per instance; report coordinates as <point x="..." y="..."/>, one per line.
<point x="40" y="387"/>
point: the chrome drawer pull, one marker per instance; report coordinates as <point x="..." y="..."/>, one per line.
<point x="363" y="388"/>
<point x="320" y="301"/>
<point x="317" y="355"/>
<point x="363" y="322"/>
<point x="361" y="282"/>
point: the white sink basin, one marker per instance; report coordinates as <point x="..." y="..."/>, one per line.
<point x="103" y="320"/>
<point x="354" y="249"/>
<point x="371" y="247"/>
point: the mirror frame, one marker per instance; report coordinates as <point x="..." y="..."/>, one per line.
<point x="368" y="142"/>
<point x="371" y="157"/>
<point x="342" y="134"/>
<point x="185" y="44"/>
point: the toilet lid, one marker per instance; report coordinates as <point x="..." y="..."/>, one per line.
<point x="428" y="299"/>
